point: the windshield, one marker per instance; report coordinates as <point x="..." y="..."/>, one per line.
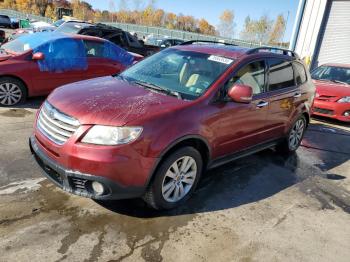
<point x="188" y="73"/>
<point x="332" y="73"/>
<point x="71" y="27"/>
<point x="58" y="22"/>
<point x="28" y="42"/>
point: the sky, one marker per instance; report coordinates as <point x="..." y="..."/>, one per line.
<point x="212" y="9"/>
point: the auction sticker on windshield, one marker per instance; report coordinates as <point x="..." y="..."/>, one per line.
<point x="220" y="59"/>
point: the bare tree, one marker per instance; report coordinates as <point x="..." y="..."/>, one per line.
<point x="278" y="30"/>
<point x="226" y="26"/>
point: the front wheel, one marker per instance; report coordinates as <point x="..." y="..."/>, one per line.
<point x="294" y="138"/>
<point x="175" y="179"/>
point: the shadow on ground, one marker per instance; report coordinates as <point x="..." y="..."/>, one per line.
<point x="256" y="177"/>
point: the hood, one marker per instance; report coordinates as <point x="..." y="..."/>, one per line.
<point x="333" y="91"/>
<point x="4" y="57"/>
<point x="111" y="101"/>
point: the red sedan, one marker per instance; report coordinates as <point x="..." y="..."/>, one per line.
<point x="332" y="91"/>
<point x="34" y="65"/>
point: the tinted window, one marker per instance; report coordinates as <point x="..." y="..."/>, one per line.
<point x="281" y="74"/>
<point x="253" y="75"/>
<point x="300" y="74"/>
<point x="5" y="19"/>
<point x="94" y="49"/>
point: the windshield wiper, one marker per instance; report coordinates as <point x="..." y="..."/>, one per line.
<point x="158" y="88"/>
<point x="339" y="82"/>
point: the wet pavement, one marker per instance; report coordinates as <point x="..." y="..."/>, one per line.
<point x="264" y="207"/>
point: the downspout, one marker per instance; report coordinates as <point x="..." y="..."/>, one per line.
<point x="296" y="28"/>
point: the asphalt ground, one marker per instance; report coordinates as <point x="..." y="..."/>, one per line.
<point x="264" y="207"/>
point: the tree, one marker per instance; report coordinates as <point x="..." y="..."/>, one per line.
<point x="111" y="9"/>
<point x="278" y="30"/>
<point x="205" y="28"/>
<point x="226" y="26"/>
<point x="257" y="30"/>
<point x="42" y="5"/>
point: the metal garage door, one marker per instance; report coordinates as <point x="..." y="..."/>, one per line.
<point x="334" y="45"/>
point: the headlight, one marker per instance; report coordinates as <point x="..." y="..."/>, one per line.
<point x="345" y="99"/>
<point x="110" y="135"/>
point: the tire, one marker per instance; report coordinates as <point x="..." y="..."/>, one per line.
<point x="169" y="188"/>
<point x="295" y="135"/>
<point x="12" y="92"/>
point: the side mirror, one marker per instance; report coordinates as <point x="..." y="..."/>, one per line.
<point x="38" y="56"/>
<point x="241" y="93"/>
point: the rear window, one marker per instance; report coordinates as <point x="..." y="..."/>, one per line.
<point x="300" y="73"/>
<point x="4" y="19"/>
<point x="281" y="74"/>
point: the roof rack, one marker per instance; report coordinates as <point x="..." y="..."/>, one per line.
<point x="205" y="42"/>
<point x="273" y="50"/>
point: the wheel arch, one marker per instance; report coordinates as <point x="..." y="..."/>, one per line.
<point x="18" y="79"/>
<point x="195" y="141"/>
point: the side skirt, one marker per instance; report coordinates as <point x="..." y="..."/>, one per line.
<point x="246" y="152"/>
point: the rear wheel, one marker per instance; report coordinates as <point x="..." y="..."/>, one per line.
<point x="294" y="138"/>
<point x="12" y="91"/>
<point x="175" y="179"/>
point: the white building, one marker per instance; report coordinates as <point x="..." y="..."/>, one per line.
<point x="322" y="31"/>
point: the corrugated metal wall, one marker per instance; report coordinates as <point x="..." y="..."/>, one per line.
<point x="334" y="41"/>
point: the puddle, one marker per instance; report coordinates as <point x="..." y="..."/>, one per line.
<point x="16" y="113"/>
<point x="84" y="217"/>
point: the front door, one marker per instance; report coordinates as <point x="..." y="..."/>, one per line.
<point x="238" y="126"/>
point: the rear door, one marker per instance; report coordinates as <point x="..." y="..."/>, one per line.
<point x="283" y="94"/>
<point x="98" y="63"/>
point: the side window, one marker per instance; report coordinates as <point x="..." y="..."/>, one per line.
<point x="281" y="74"/>
<point x="300" y="74"/>
<point x="252" y="75"/>
<point x="93" y="48"/>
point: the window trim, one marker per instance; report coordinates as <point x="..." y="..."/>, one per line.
<point x="223" y="89"/>
<point x="306" y="75"/>
<point x="268" y="75"/>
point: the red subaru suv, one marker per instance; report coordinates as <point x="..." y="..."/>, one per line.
<point x="152" y="130"/>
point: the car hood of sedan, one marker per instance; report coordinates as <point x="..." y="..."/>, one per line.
<point x="4" y="57"/>
<point x="325" y="88"/>
<point x="111" y="101"/>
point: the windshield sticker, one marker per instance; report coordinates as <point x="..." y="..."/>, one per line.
<point x="220" y="59"/>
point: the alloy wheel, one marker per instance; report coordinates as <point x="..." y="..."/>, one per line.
<point x="296" y="134"/>
<point x="10" y="94"/>
<point x="179" y="179"/>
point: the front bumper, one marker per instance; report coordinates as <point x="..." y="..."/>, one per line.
<point x="331" y="109"/>
<point x="78" y="183"/>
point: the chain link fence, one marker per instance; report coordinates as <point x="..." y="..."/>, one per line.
<point x="145" y="30"/>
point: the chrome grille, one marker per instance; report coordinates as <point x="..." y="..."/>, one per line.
<point x="55" y="125"/>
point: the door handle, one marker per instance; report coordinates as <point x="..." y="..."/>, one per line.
<point x="297" y="95"/>
<point x="262" y="104"/>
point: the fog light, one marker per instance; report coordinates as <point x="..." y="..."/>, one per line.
<point x="98" y="188"/>
<point x="347" y="113"/>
